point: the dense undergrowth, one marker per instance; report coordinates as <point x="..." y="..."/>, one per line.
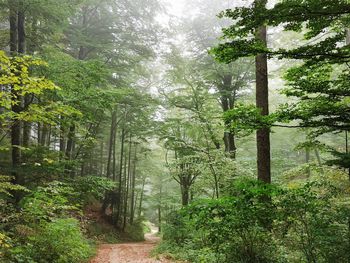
<point x="304" y="222"/>
<point x="50" y="223"/>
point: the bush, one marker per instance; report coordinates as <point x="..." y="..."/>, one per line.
<point x="135" y="232"/>
<point x="263" y="223"/>
<point x="59" y="241"/>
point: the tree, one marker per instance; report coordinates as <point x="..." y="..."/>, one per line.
<point x="231" y="51"/>
<point x="319" y="83"/>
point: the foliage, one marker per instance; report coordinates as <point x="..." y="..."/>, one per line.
<point x="91" y="187"/>
<point x="6" y="187"/>
<point x="319" y="86"/>
<point x="49" y="202"/>
<point x="58" y="241"/>
<point x="263" y="223"/>
<point x="136" y="231"/>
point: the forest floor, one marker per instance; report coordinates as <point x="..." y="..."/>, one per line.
<point x="138" y="252"/>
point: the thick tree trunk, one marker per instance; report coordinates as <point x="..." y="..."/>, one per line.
<point x="262" y="102"/>
<point x="185" y="195"/>
<point x="21" y="29"/>
<point x="13" y="27"/>
<point x="16" y="106"/>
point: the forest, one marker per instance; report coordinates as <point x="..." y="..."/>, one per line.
<point x="174" y="131"/>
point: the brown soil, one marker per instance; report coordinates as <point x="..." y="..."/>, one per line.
<point x="129" y="252"/>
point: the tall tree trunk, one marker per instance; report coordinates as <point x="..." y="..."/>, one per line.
<point x="101" y="158"/>
<point x="228" y="103"/>
<point x="262" y="102"/>
<point x="13" y="27"/>
<point x="120" y="181"/>
<point x="307" y="160"/>
<point x="70" y="142"/>
<point x="127" y="184"/>
<point x="21" y="28"/>
<point x="141" y="196"/>
<point x="133" y="177"/>
<point x="160" y="209"/>
<point x="22" y="50"/>
<point x="16" y="105"/>
<point x="112" y="141"/>
<point x="185" y="194"/>
<point x="62" y="138"/>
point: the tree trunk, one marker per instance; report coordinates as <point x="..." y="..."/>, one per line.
<point x="262" y="102"/>
<point x="13" y="27"/>
<point x="185" y="195"/>
<point x="307" y="160"/>
<point x="133" y="177"/>
<point x="70" y="142"/>
<point x="127" y="185"/>
<point x="120" y="181"/>
<point x="141" y="196"/>
<point x="112" y="140"/>
<point x="101" y="158"/>
<point x="21" y="29"/>
<point x="16" y="106"/>
<point x="62" y="138"/>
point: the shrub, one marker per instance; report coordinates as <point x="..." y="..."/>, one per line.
<point x="136" y="231"/>
<point x="59" y="241"/>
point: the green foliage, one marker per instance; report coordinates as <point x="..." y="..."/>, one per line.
<point x="59" y="241"/>
<point x="245" y="119"/>
<point x="136" y="231"/>
<point x="49" y="202"/>
<point x="6" y="187"/>
<point x="89" y="188"/>
<point x="263" y="223"/>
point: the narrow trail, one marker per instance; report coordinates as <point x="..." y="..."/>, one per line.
<point x="129" y="252"/>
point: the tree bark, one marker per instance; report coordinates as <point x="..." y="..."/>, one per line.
<point x="133" y="177"/>
<point x="262" y="102"/>
<point x="112" y="141"/>
<point x="120" y="179"/>
<point x="141" y="196"/>
<point x="16" y="106"/>
<point x="70" y="142"/>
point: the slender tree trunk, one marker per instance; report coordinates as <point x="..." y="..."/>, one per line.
<point x="307" y="160"/>
<point x="141" y="196"/>
<point x="101" y="158"/>
<point x="160" y="208"/>
<point x="133" y="177"/>
<point x="112" y="141"/>
<point x="127" y="184"/>
<point x="120" y="181"/>
<point x="62" y="138"/>
<point x="262" y="102"/>
<point x="70" y="142"/>
<point x="228" y="103"/>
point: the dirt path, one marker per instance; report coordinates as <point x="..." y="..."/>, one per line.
<point x="129" y="252"/>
